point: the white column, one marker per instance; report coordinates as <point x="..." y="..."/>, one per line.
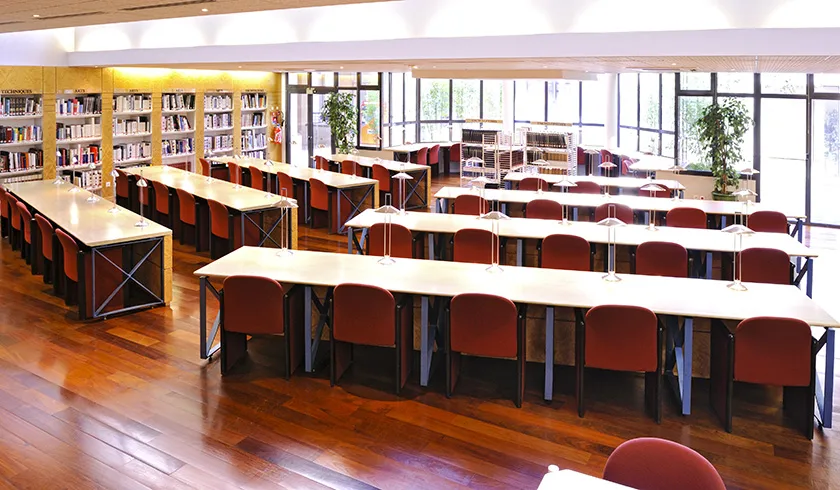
<point x="611" y="81"/>
<point x="507" y="105"/>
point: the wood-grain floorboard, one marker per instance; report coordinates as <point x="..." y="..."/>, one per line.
<point x="127" y="403"/>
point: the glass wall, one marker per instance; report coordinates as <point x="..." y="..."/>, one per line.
<point x="646" y="113"/>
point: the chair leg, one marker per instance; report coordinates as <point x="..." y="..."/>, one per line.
<point x="48" y="268"/>
<point x="721" y="372"/>
<point x="404" y="342"/>
<point x="233" y="346"/>
<point x="653" y="395"/>
<point x="453" y="360"/>
<point x="520" y="362"/>
<point x="580" y="361"/>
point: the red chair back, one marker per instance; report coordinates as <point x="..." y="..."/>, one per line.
<point x="253" y="305"/>
<point x="285" y="182"/>
<point x="15" y="211"/>
<point x="606" y="156"/>
<point x="421" y="156"/>
<point x="581" y="156"/>
<point x="349" y="167"/>
<point x="569" y="252"/>
<point x="71" y="252"/>
<point x="219" y="223"/>
<point x="617" y="210"/>
<point x="686" y="218"/>
<point x="483" y="324"/>
<point x="122" y="184"/>
<point x="205" y="167"/>
<point x="364" y="314"/>
<point x="767" y="265"/>
<point x="46" y="229"/>
<point x="382" y="174"/>
<point x="768" y="221"/>
<point x="471" y="204"/>
<point x="319" y="195"/>
<point x="161" y="197"/>
<point x="321" y="163"/>
<point x="475" y="246"/>
<point x="621" y="338"/>
<point x="402" y="241"/>
<point x="4" y="204"/>
<point x="434" y="155"/>
<point x="234" y="173"/>
<point x="256" y="178"/>
<point x="26" y="221"/>
<point x="456" y="153"/>
<point x="544" y="209"/>
<point x="533" y="184"/>
<point x="640" y="463"/>
<point x="773" y="351"/>
<point x="662" y="259"/>
<point x="585" y="187"/>
<point x="186" y="206"/>
<point x="625" y="165"/>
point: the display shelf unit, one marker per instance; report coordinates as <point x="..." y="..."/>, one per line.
<point x="178" y="128"/>
<point x="557" y="148"/>
<point x="21" y="137"/>
<point x="254" y="127"/>
<point x="500" y="153"/>
<point x="218" y="123"/>
<point x="132" y="128"/>
<point x="132" y="104"/>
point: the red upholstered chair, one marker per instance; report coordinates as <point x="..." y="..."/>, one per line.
<point x="544" y="209"/>
<point x="187" y="215"/>
<point x="219" y="229"/>
<point x="383" y="175"/>
<point x="606" y="156"/>
<point x="767" y="265"/>
<point x="349" y="167"/>
<point x="581" y="158"/>
<point x="433" y="159"/>
<point x="15" y="235"/>
<point x="585" y="187"/>
<point x="234" y="173"/>
<point x="620" y="211"/>
<point x="26" y="228"/>
<point x="69" y="276"/>
<point x="284" y="181"/>
<point x="471" y="204"/>
<point x="569" y="252"/>
<point x="484" y="325"/>
<point x="402" y="241"/>
<point x="621" y="338"/>
<point x="162" y="207"/>
<point x="667" y="259"/>
<point x="122" y="190"/>
<point x="319" y="199"/>
<point x="768" y="351"/>
<point x="369" y="315"/>
<point x="4" y="214"/>
<point x="533" y="184"/>
<point x="625" y="166"/>
<point x="253" y="305"/>
<point x="686" y="218"/>
<point x="205" y="167"/>
<point x="476" y="246"/>
<point x="456" y="153"/>
<point x="659" y="464"/>
<point x="321" y="163"/>
<point x="421" y="157"/>
<point x="768" y="221"/>
<point x="256" y="178"/>
<point x="43" y="256"/>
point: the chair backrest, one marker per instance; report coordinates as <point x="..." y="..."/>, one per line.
<point x="319" y="195"/>
<point x="667" y="259"/>
<point x="71" y="253"/>
<point x="402" y="241"/>
<point x="617" y="210"/>
<point x="205" y="167"/>
<point x="625" y="165"/>
<point x="471" y="204"/>
<point x="252" y="305"/>
<point x="161" y="197"/>
<point x="382" y="174"/>
<point x="26" y="221"/>
<point x="256" y="178"/>
<point x="544" y="209"/>
<point x="483" y="324"/>
<point x="421" y="157"/>
<point x="285" y="182"/>
<point x="686" y="218"/>
<point x="234" y="173"/>
<point x="475" y="245"/>
<point x="606" y="156"/>
<point x="456" y="153"/>
<point x="321" y="163"/>
<point x="768" y="221"/>
<point x="363" y="314"/>
<point x="14" y="211"/>
<point x="186" y="206"/>
<point x="659" y="464"/>
<point x="569" y="252"/>
<point x="621" y="338"/>
<point x="219" y="224"/>
<point x="585" y="187"/>
<point x="4" y="204"/>
<point x="581" y="156"/>
<point x="350" y="167"/>
<point x="122" y="184"/>
<point x="533" y="184"/>
<point x="434" y="155"/>
<point x="46" y="229"/>
<point x="767" y="265"/>
<point x="773" y="351"/>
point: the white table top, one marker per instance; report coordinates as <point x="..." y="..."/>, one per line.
<point x="331" y="179"/>
<point x="572" y="480"/>
<point x="664" y="295"/>
<point x="637" y="203"/>
<point x="417" y="146"/>
<point x="603" y="181"/>
<point x="89" y="223"/>
<point x="238" y="198"/>
<point x="391" y="165"/>
<point x="631" y="235"/>
<point x="651" y="163"/>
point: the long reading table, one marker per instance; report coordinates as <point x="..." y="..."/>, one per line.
<point x="604" y="182"/>
<point x="419" y="186"/>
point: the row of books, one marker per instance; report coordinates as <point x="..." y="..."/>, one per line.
<point x="18" y="161"/>
<point x="177" y="147"/>
<point x="547" y="140"/>
<point x="214" y="121"/>
<point x="132" y="103"/>
<point x="9" y="134"/>
<point x="90" y="104"/>
<point x="218" y="103"/>
<point x="17" y="179"/>
<point x="253" y="119"/>
<point x="89" y="179"/>
<point x="251" y="139"/>
<point x="132" y="151"/>
<point x="89" y="129"/>
<point x="175" y="123"/>
<point x="20" y="106"/>
<point x="259" y="154"/>
<point x="178" y="102"/>
<point x="81" y="155"/>
<point x="478" y="136"/>
<point x="132" y="126"/>
<point x="220" y="142"/>
<point x="253" y="101"/>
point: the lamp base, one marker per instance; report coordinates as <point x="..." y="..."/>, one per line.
<point x="737" y="285"/>
<point x="284" y="252"/>
<point x="493" y="269"/>
<point x="141" y="224"/>
<point x="114" y="210"/>
<point x="565" y="222"/>
<point x="58" y="181"/>
<point x="74" y="189"/>
<point x="386" y="261"/>
<point x="92" y="198"/>
<point x="651" y="227"/>
<point x="611" y="277"/>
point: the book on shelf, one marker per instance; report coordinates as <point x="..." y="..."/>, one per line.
<point x="546" y="140"/>
<point x="132" y="151"/>
<point x="253" y="101"/>
<point x="81" y="155"/>
<point x="89" y="129"/>
<point x="176" y="147"/>
<point x="89" y="179"/>
<point x="79" y="106"/>
<point x="218" y="102"/>
<point x="9" y="134"/>
<point x="259" y="154"/>
<point x="253" y="119"/>
<point x="19" y="161"/>
<point x="132" y="103"/>
<point x="135" y="125"/>
<point x="218" y="121"/>
<point x="178" y="102"/>
<point x="20" y="106"/>
<point x="218" y="143"/>
<point x="175" y="122"/>
<point x="253" y="139"/>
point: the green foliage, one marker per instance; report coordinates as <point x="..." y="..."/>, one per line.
<point x="339" y="112"/>
<point x="721" y="129"/>
<point x="699" y="167"/>
<point x="832" y="135"/>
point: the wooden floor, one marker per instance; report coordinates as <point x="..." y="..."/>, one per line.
<point x="127" y="403"/>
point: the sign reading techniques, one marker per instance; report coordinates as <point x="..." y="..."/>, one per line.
<point x="16" y="92"/>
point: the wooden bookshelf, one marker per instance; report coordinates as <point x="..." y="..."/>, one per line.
<point x="78" y="137"/>
<point x="254" y="137"/>
<point x="21" y="136"/>
<point x="178" y="119"/>
<point x="218" y="123"/>
<point x="132" y="129"/>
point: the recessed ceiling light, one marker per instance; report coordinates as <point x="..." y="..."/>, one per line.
<point x="415" y="67"/>
<point x="240" y="66"/>
<point x="35" y="15"/>
<point x="204" y="10"/>
<point x="545" y="66"/>
<point x="673" y="64"/>
<point x="434" y="66"/>
<point x="340" y="67"/>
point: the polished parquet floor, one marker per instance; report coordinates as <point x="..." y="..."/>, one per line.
<point x="127" y="403"/>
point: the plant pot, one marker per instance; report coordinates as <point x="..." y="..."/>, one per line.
<point x="720" y="196"/>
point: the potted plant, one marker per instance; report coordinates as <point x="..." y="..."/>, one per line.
<point x="339" y="112"/>
<point x="721" y="129"/>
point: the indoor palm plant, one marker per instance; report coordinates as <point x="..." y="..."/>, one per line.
<point x="339" y="112"/>
<point x="721" y="127"/>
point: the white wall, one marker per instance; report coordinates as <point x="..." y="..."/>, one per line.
<point x="36" y="48"/>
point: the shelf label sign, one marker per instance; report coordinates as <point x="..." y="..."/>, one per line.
<point x="15" y="91"/>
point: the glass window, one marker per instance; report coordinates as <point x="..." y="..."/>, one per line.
<point x="466" y="99"/>
<point x="668" y="100"/>
<point x="628" y="97"/>
<point x="593" y="135"/>
<point x="410" y="98"/>
<point x="529" y="100"/>
<point x="493" y="107"/>
<point x="736" y="83"/>
<point x="668" y="145"/>
<point x="397" y="87"/>
<point x="695" y="81"/>
<point x="825" y="164"/>
<point x="827" y="82"/>
<point x="323" y="79"/>
<point x="649" y="142"/>
<point x="691" y="155"/>
<point x="370" y="79"/>
<point x="434" y="132"/>
<point x="649" y="100"/>
<point x="434" y="100"/>
<point x="298" y="78"/>
<point x="347" y="79"/>
<point x="783" y="138"/>
<point x="369" y="118"/>
<point x="409" y="133"/>
<point x="783" y="83"/>
<point x="628" y="139"/>
<point x="594" y="102"/>
<point x="564" y="101"/>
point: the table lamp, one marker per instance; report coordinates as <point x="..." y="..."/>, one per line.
<point x="141" y="186"/>
<point x="402" y="177"/>
<point x="285" y="204"/>
<point x="114" y="175"/>
<point x="74" y="188"/>
<point x="58" y="180"/>
<point x="565" y="184"/>
<point x="676" y="168"/>
<point x="738" y="231"/>
<point x="495" y="245"/>
<point x="607" y="166"/>
<point x="388" y="211"/>
<point x="611" y="223"/>
<point x="652" y="188"/>
<point x="92" y="197"/>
